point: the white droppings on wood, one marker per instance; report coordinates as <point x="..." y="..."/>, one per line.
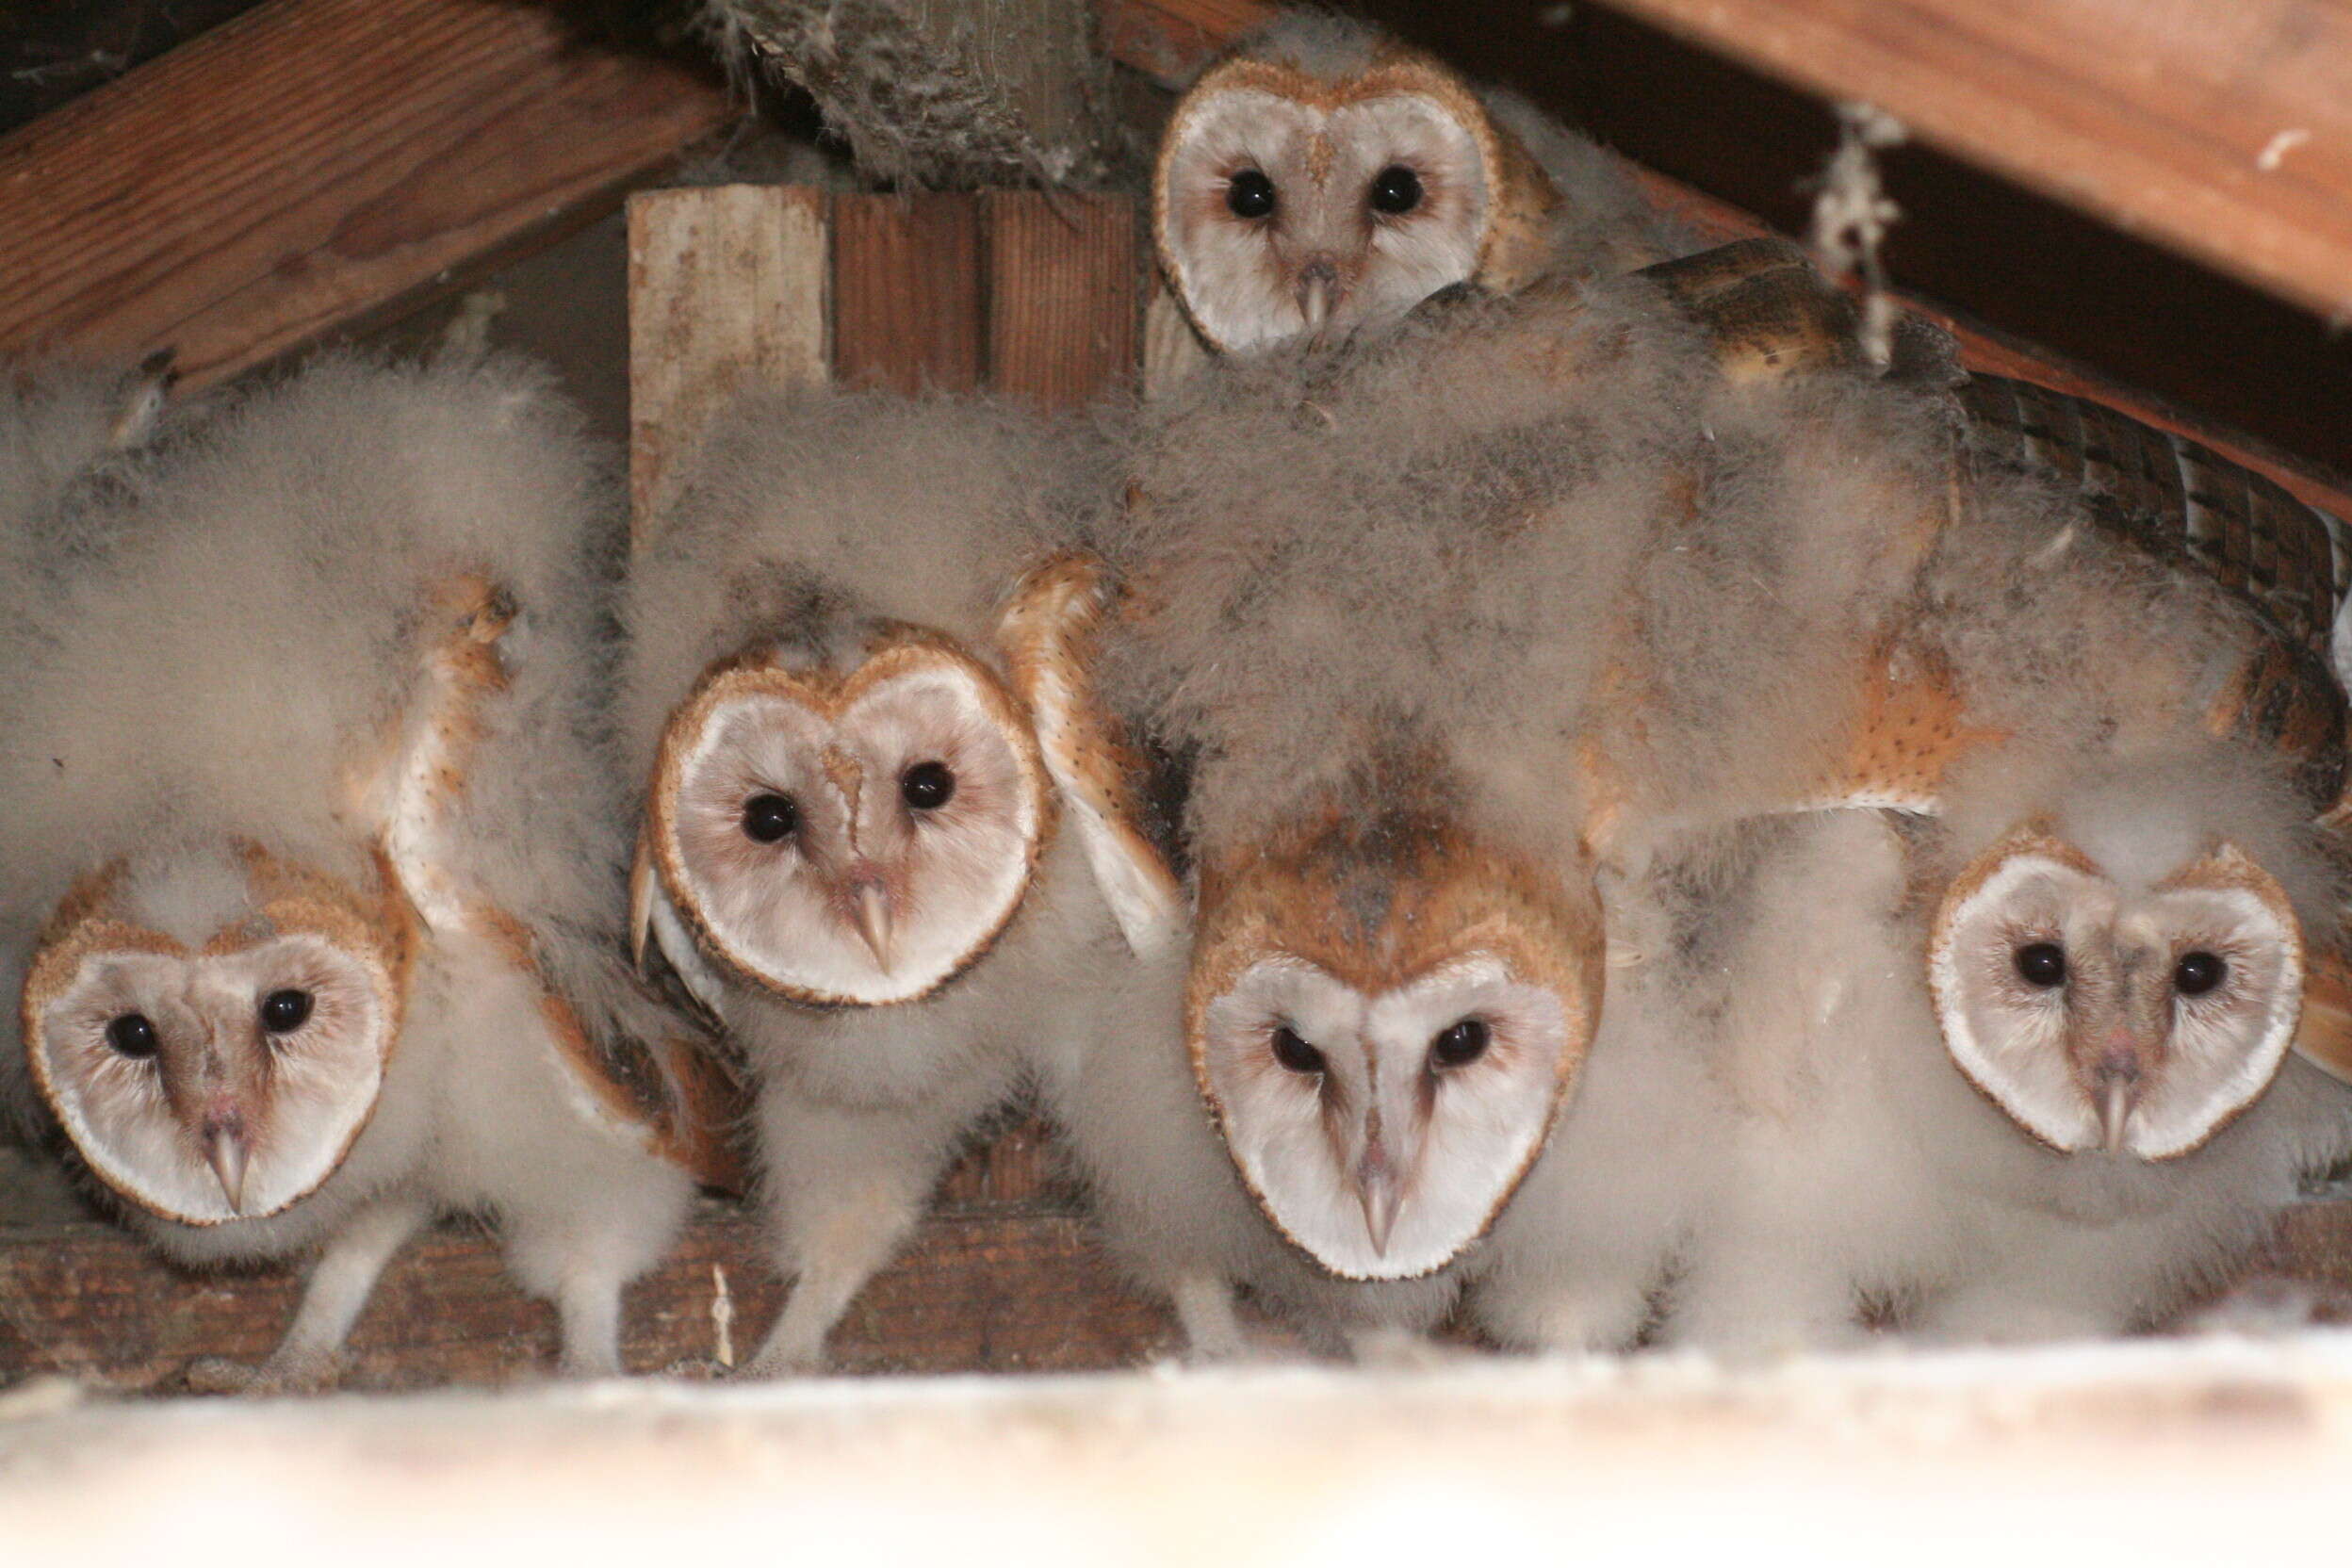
<point x="722" y="1316"/>
<point x="2277" y="147"/>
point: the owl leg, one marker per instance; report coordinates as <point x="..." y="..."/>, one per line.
<point x="581" y="1255"/>
<point x="1573" y="1316"/>
<point x="1765" y="1299"/>
<point x="1204" y="1309"/>
<point x="307" y="1359"/>
<point x="2031" y="1296"/>
<point x="846" y="1188"/>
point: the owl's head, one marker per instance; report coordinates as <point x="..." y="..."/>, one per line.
<point x="2118" y="977"/>
<point x="1385" y="1015"/>
<point x="850" y="832"/>
<point x="211" y="1028"/>
<point x="1322" y="177"/>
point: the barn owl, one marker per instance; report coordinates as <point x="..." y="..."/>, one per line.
<point x="1322" y="176"/>
<point x="852" y="847"/>
<point x="1432" y="642"/>
<point x="313" y="870"/>
<point x="1872" y="1166"/>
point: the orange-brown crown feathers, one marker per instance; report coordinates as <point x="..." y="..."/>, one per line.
<point x="212" y="1032"/>
<point x="1385" y="1015"/>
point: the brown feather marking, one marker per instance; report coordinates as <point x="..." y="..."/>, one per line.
<point x="1048" y="636"/>
<point x="1767" y="309"/>
<point x="671" y="1093"/>
<point x="1909" y="729"/>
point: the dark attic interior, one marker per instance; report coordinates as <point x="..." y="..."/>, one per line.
<point x="2141" y="208"/>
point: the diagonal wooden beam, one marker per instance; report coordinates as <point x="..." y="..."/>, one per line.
<point x="315" y="163"/>
<point x="2222" y="128"/>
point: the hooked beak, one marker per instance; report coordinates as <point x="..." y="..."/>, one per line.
<point x="1318" y="292"/>
<point x="2118" y="1095"/>
<point x="224" y="1148"/>
<point x="873" y="914"/>
<point x="1381" y="1193"/>
<point x="2117" y="1083"/>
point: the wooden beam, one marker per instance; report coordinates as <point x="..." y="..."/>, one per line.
<point x="1168" y="40"/>
<point x="315" y="163"/>
<point x="2222" y="128"/>
<point x="728" y="287"/>
<point x="998" y="1287"/>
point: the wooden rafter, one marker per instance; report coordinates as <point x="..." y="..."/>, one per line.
<point x="2222" y="128"/>
<point x="315" y="163"/>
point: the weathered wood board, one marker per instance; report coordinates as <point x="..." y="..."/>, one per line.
<point x="314" y="164"/>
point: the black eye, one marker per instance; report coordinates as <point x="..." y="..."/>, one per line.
<point x="133" y="1036"/>
<point x="926" y="785"/>
<point x="2042" y="964"/>
<point x="1293" y="1053"/>
<point x="1462" y="1041"/>
<point x="770" y="818"/>
<point x="1395" y="189"/>
<point x="282" y="1012"/>
<point x="1249" y="195"/>
<point x="2199" y="972"/>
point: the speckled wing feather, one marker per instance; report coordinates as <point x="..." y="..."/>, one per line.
<point x="1766" y="306"/>
<point x="2173" y="495"/>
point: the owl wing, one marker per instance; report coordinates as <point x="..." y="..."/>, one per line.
<point x="2323" y="1038"/>
<point x="620" y="1046"/>
<point x="1048" y="635"/>
<point x="651" y="915"/>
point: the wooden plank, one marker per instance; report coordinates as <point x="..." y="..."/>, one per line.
<point x="2221" y="127"/>
<point x="727" y="288"/>
<point x="1000" y="1288"/>
<point x="1065" y="295"/>
<point x="315" y="162"/>
<point x="1170" y="40"/>
<point x="907" y="291"/>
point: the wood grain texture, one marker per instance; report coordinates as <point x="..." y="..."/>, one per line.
<point x="1065" y="295"/>
<point x="1170" y="40"/>
<point x="315" y="163"/>
<point x="998" y="1289"/>
<point x="2221" y="127"/>
<point x="907" y="291"/>
<point x="727" y="288"/>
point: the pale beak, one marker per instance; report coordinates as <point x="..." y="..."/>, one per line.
<point x="1380" y="1192"/>
<point x="225" y="1149"/>
<point x="873" y="914"/>
<point x="2118" y="1078"/>
<point x="1318" y="292"/>
<point x="2115" y="1110"/>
